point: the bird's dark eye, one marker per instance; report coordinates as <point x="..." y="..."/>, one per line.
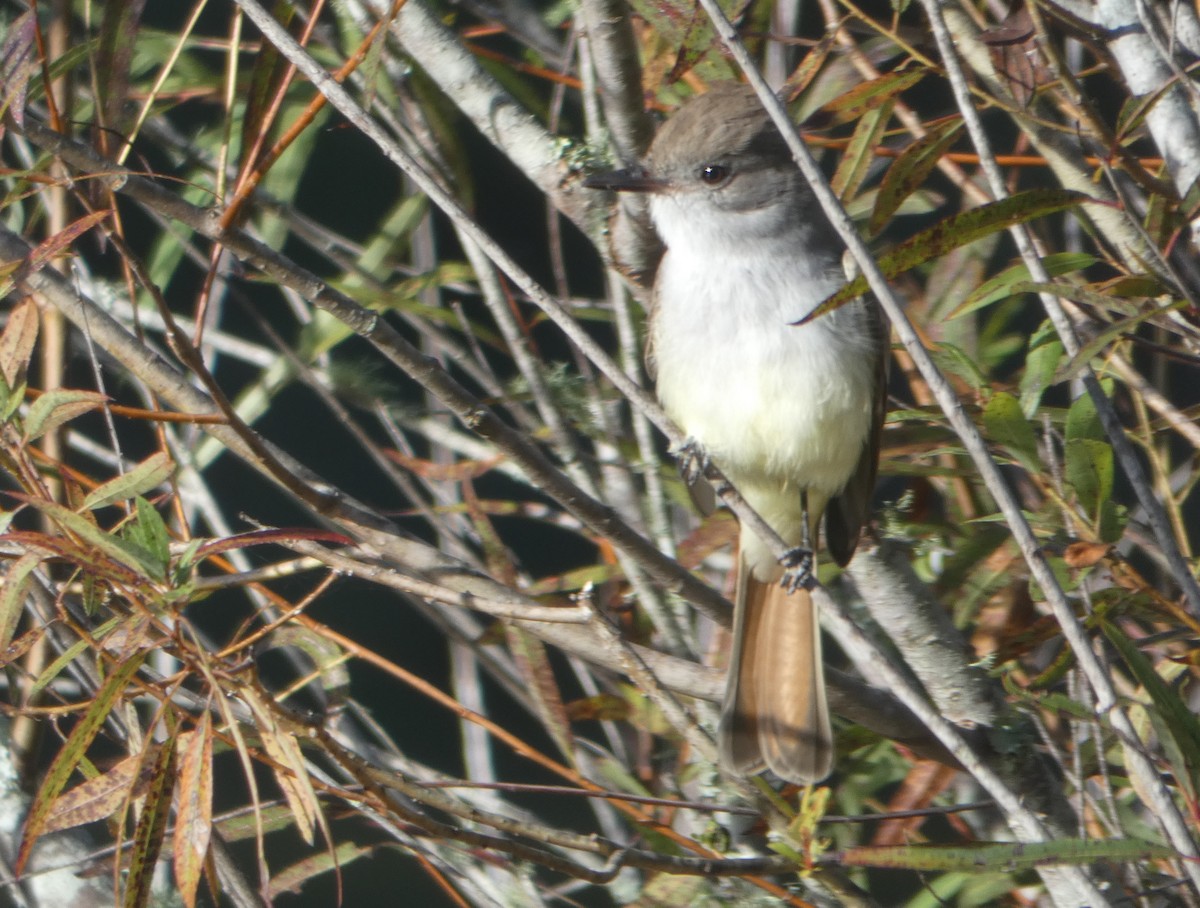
<point x="712" y="174"/>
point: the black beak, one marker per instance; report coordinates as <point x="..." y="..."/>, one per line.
<point x="632" y="180"/>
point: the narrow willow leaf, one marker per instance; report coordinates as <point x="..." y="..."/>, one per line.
<point x="868" y="96"/>
<point x="1111" y="333"/>
<point x="1081" y="293"/>
<point x="71" y="752"/>
<point x="1181" y="722"/>
<point x="151" y="828"/>
<point x="1011" y="857"/>
<point x="12" y="594"/>
<point x="532" y="661"/>
<point x="194" y="821"/>
<point x="955" y="231"/>
<point x="239" y="827"/>
<point x="18" y="63"/>
<point x="1041" y="364"/>
<point x="17" y="343"/>
<point x="684" y="25"/>
<point x="50" y="248"/>
<point x="326" y="657"/>
<point x="860" y="153"/>
<point x="147" y="535"/>
<point x="1007" y="425"/>
<point x="1012" y="281"/>
<point x="118" y="35"/>
<point x="54" y="408"/>
<point x="115" y="548"/>
<point x="292" y="879"/>
<point x="910" y="170"/>
<point x="267" y="79"/>
<point x="55" y="668"/>
<point x="289" y="770"/>
<point x="808" y="68"/>
<point x="146" y="476"/>
<point x="98" y="798"/>
<point x="957" y="361"/>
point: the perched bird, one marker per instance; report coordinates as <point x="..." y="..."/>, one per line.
<point x="791" y="414"/>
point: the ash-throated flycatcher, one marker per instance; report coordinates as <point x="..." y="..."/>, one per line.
<point x="791" y="414"/>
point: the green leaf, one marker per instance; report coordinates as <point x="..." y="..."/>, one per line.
<point x="18" y="63"/>
<point x="957" y="361"/>
<point x="1101" y="340"/>
<point x="1083" y="421"/>
<point x="147" y="475"/>
<point x="910" y="170"/>
<point x="1089" y="471"/>
<point x="1008" y="426"/>
<point x="1007" y="283"/>
<point x="1010" y="857"/>
<point x="955" y="231"/>
<point x="194" y="821"/>
<point x="1177" y="718"/>
<point x="267" y="79"/>
<point x="131" y="556"/>
<point x="118" y="36"/>
<point x="148" y="534"/>
<point x="292" y="879"/>
<point x="1041" y="365"/>
<point x="860" y="153"/>
<point x="808" y="68"/>
<point x="54" y="408"/>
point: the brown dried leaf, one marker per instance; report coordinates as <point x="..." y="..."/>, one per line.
<point x="444" y="472"/>
<point x="52" y="246"/>
<point x="529" y="653"/>
<point x="17" y="342"/>
<point x="1085" y="554"/>
<point x="290" y="772"/>
<point x="193" y="824"/>
<point x="12" y="595"/>
<point x="101" y="797"/>
<point x="18" y="62"/>
<point x="1014" y="51"/>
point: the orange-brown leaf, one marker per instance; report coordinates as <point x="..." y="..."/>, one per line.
<point x="17" y="341"/>
<point x="1085" y="554"/>
<point x="444" y="472"/>
<point x="193" y="823"/>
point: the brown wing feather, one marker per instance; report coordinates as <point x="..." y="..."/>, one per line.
<point x="847" y="511"/>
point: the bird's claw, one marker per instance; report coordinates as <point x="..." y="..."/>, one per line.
<point x="693" y="461"/>
<point x="798" y="569"/>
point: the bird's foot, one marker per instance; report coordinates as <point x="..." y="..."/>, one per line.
<point x="798" y="572"/>
<point x="692" y="459"/>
